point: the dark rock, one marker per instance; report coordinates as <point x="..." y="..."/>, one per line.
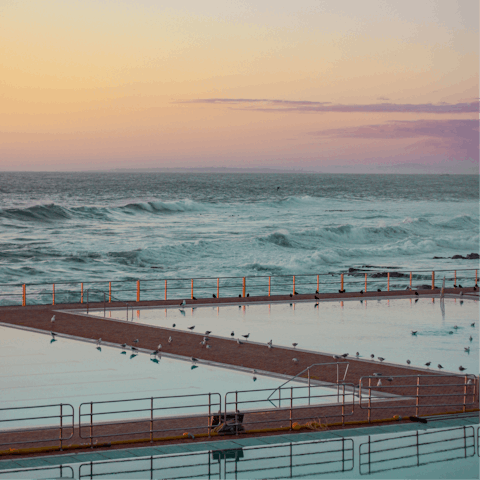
<point x="438" y="258"/>
<point x="470" y="256"/>
<point x="392" y="275"/>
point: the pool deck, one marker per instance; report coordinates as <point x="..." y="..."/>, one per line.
<point x="249" y="356"/>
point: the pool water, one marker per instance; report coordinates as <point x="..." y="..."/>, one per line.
<point x="380" y="327"/>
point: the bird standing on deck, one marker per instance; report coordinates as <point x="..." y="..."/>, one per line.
<point x="381" y="359"/>
<point x="191" y="328"/>
<point x="136" y="341"/>
<point x="428" y="364"/>
<point x="357" y="354"/>
<point x="294" y="345"/>
<point x="208" y="332"/>
<point x="170" y="340"/>
<point x="439" y="366"/>
<point x="372" y="356"/>
<point x="246" y="336"/>
<point x="472" y="324"/>
<point x="270" y="343"/>
<point x="184" y="302"/>
<point x="414" y="332"/>
<point x="52" y="319"/>
<point x="232" y="334"/>
<point x="408" y="362"/>
<point x="239" y="341"/>
<point x="461" y="368"/>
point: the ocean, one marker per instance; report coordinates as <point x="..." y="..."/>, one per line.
<point x="117" y="226"/>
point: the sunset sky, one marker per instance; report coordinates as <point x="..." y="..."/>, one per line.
<point x="328" y="86"/>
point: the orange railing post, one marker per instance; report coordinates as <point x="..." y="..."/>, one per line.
<point x="410" y="280"/>
<point x="109" y="292"/>
<point x="388" y="281"/>
<point x="218" y="288"/>
<point x="24" y="296"/>
<point x="294" y="292"/>
<point x="53" y="295"/>
<point x="365" y="283"/>
<point x="433" y="280"/>
<point x="138" y="290"/>
<point x="341" y="282"/>
<point x="269" y="285"/>
<point x="318" y="283"/>
<point x="165" y="289"/>
<point x="243" y="290"/>
<point x="192" y="289"/>
<point x="81" y="292"/>
<point x="455" y="279"/>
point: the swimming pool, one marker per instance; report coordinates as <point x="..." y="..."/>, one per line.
<point x="381" y="327"/>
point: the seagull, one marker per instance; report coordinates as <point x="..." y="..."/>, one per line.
<point x="208" y="332"/>
<point x="191" y="328"/>
<point x="214" y="296"/>
<point x="294" y="360"/>
<point x="450" y="332"/>
<point x="134" y="349"/>
<point x="239" y="342"/>
<point x="372" y="356"/>
<point x="206" y="339"/>
<point x="99" y="342"/>
<point x="408" y="362"/>
<point x="155" y="353"/>
<point x="357" y="354"/>
<point x="459" y="286"/>
<point x="467" y="349"/>
<point x="390" y="379"/>
<point x="170" y="340"/>
<point x="361" y="291"/>
<point x="159" y="347"/>
<point x="472" y="324"/>
<point x="136" y="341"/>
<point x="53" y="319"/>
<point x="439" y="366"/>
<point x="336" y="357"/>
<point x="379" y="289"/>
<point x="428" y="364"/>
<point x="416" y="293"/>
<point x="246" y="336"/>
<point x="455" y="327"/>
<point x="123" y="345"/>
<point x="414" y="332"/>
<point x="194" y="360"/>
<point x="209" y="346"/>
<point x="379" y="383"/>
<point x="174" y="325"/>
<point x="461" y="368"/>
<point x="377" y="374"/>
<point x="52" y="334"/>
<point x="248" y="294"/>
<point x="381" y="359"/>
<point x="270" y="342"/>
<point x="416" y="300"/>
<point x="471" y="338"/>
<point x="203" y="342"/>
<point x="294" y="345"/>
<point x="193" y="298"/>
<point x="184" y="302"/>
<point x="316" y="305"/>
<point x="345" y="355"/>
<point x="232" y="334"/>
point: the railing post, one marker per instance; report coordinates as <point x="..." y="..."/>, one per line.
<point x="151" y="420"/>
<point x="410" y="280"/>
<point x="417" y="403"/>
<point x="24" y="295"/>
<point x="455" y="278"/>
<point x="91" y="424"/>
<point x="291" y="406"/>
<point x="191" y="288"/>
<point x="476" y="277"/>
<point x="309" y="386"/>
<point x="138" y="290"/>
<point x="465" y="395"/>
<point x="388" y="281"/>
<point x="81" y="292"/>
<point x="369" y="400"/>
<point x="109" y="292"/>
<point x="343" y="406"/>
<point x="61" y="427"/>
<point x="103" y="303"/>
<point x="269" y="285"/>
<point x="218" y="288"/>
<point x="433" y="280"/>
<point x="53" y="294"/>
<point x="243" y="290"/>
<point x="294" y="285"/>
<point x="341" y="282"/>
<point x="365" y="283"/>
<point x="318" y="283"/>
<point x="165" y="289"/>
<point x="210" y="413"/>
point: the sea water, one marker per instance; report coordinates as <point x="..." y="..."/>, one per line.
<point x="118" y="226"/>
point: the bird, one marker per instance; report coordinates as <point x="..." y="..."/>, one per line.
<point x="136" y="341"/>
<point x="208" y="332"/>
<point x="361" y="291"/>
<point x="428" y="364"/>
<point x="214" y="296"/>
<point x="379" y="289"/>
<point x="254" y="378"/>
<point x="357" y="354"/>
<point x="246" y="336"/>
<point x="203" y="342"/>
<point x="379" y="383"/>
<point x="193" y="298"/>
<point x="467" y="349"/>
<point x="461" y="368"/>
<point x="377" y="374"/>
<point x="191" y="328"/>
<point x="416" y="300"/>
<point x="170" y="340"/>
<point x="239" y="342"/>
<point x="472" y="324"/>
<point x="336" y="357"/>
<point x="52" y="334"/>
<point x="206" y="339"/>
<point x="124" y="345"/>
<point x="414" y="332"/>
<point x="461" y="294"/>
<point x="194" y="360"/>
<point x="155" y="353"/>
<point x="134" y="349"/>
<point x="455" y="327"/>
<point x="270" y="343"/>
<point x="439" y="366"/>
<point x="99" y="342"/>
<point x="294" y="345"/>
<point x="450" y="332"/>
<point x="459" y="286"/>
<point x="316" y="305"/>
<point x="381" y="359"/>
<point x="232" y="334"/>
<point x="159" y="347"/>
<point x="390" y="379"/>
<point x="372" y="356"/>
<point x="248" y="294"/>
<point x="345" y="355"/>
<point x="317" y="298"/>
<point x="408" y="362"/>
<point x="209" y="346"/>
<point x="291" y="295"/>
<point x="174" y="325"/>
<point x="184" y="302"/>
<point x="416" y="293"/>
<point x="294" y="360"/>
<point x="470" y="338"/>
<point x="133" y="355"/>
<point x="53" y="319"/>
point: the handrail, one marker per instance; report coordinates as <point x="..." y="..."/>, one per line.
<point x="104" y="293"/>
<point x="308" y="368"/>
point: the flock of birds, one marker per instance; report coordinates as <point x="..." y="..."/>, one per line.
<point x="156" y="353"/>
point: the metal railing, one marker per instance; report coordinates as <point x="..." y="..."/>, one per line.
<point x="35" y="433"/>
<point x="416" y="449"/>
<point x="60" y="471"/>
<point x="254" y="407"/>
<point x="411" y="391"/>
<point x="149" y="416"/>
<point x="364" y="280"/>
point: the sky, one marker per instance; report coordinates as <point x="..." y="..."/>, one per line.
<point x="337" y="86"/>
